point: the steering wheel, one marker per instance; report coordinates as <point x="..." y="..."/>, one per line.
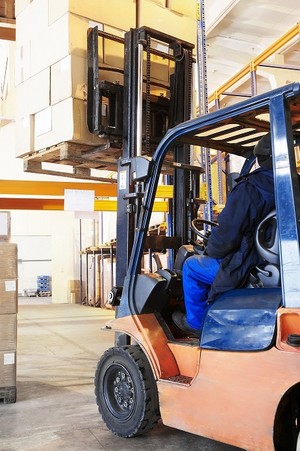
<point x="197" y="227"/>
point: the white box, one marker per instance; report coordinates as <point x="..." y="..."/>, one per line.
<point x="68" y="79"/>
<point x="50" y="45"/>
<point x="20" y="5"/>
<point x="57" y="8"/>
<point x="36" y="91"/>
<point x="68" y="123"/>
<point x="24" y="135"/>
<point x="32" y="20"/>
<point x="22" y="66"/>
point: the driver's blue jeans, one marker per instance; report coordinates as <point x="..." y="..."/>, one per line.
<point x="198" y="274"/>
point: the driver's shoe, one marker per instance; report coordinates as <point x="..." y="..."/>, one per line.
<point x="180" y="321"/>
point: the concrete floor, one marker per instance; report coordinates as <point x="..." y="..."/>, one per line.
<point x="58" y="349"/>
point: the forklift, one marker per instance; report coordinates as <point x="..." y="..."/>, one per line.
<point x="239" y="382"/>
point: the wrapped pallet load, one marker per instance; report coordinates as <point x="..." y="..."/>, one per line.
<point x="8" y="311"/>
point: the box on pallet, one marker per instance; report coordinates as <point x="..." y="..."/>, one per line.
<point x="8" y="296"/>
<point x="8" y="332"/>
<point x="8" y="261"/>
<point x="5" y="225"/>
<point x="8" y="368"/>
<point x="74" y="292"/>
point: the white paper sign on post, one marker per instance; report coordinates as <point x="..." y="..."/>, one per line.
<point x="79" y="200"/>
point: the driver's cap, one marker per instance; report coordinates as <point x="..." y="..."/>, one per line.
<point x="263" y="147"/>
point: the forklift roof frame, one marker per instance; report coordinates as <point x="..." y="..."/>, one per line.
<point x="283" y="106"/>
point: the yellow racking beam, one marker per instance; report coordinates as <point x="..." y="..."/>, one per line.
<point x="58" y="204"/>
<point x="42" y="188"/>
<point x="283" y="40"/>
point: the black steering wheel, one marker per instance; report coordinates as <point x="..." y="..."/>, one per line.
<point x="197" y="227"/>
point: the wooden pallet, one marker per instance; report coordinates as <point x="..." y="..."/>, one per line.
<point x="82" y="157"/>
<point x="8" y="395"/>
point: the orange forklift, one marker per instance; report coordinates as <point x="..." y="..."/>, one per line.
<point x="239" y="383"/>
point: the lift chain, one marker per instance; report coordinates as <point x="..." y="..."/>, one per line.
<point x="148" y="114"/>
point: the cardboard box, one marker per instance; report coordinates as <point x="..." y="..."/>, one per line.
<point x="117" y="13"/>
<point x="64" y="121"/>
<point x="56" y="9"/>
<point x="5" y="225"/>
<point x="113" y="52"/>
<point x="185" y="8"/>
<point x="68" y="79"/>
<point x="8" y="332"/>
<point x="8" y="296"/>
<point x="22" y="56"/>
<point x="154" y="16"/>
<point x="50" y="45"/>
<point x="8" y="366"/>
<point x="24" y="135"/>
<point x="8" y="260"/>
<point x="36" y="91"/>
<point x="31" y="19"/>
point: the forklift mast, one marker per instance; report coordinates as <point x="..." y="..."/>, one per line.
<point x="136" y="118"/>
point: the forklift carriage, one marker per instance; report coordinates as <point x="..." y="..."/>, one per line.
<point x="238" y="384"/>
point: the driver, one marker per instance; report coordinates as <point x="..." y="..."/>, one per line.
<point x="230" y="252"/>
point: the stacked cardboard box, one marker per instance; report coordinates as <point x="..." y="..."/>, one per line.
<point x="8" y="311"/>
<point x="51" y="68"/>
<point x="51" y="60"/>
<point x="74" y="292"/>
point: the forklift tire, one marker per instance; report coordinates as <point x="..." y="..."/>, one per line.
<point x="287" y="422"/>
<point x="126" y="391"/>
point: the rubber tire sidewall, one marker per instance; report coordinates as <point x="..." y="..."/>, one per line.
<point x="141" y="375"/>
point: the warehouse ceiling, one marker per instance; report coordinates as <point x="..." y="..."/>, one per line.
<point x="238" y="30"/>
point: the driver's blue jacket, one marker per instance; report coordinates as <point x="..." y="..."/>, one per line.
<point x="249" y="202"/>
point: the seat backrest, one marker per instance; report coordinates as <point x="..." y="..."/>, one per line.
<point x="266" y="239"/>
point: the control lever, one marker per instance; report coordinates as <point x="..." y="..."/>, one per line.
<point x="157" y="260"/>
<point x="263" y="271"/>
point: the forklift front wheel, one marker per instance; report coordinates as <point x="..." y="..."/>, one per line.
<point x="126" y="391"/>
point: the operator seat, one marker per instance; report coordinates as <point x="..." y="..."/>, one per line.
<point x="266" y="274"/>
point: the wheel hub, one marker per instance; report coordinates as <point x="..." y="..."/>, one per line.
<point x="123" y="390"/>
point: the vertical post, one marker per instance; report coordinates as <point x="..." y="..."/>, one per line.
<point x="80" y="260"/>
<point x="287" y="200"/>
<point x="203" y="101"/>
<point x="219" y="160"/>
<point x="139" y="105"/>
<point x="125" y="214"/>
<point x="253" y="79"/>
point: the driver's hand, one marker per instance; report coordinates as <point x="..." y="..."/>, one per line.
<point x="200" y="249"/>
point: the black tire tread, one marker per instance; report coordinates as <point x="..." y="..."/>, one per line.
<point x="151" y="414"/>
